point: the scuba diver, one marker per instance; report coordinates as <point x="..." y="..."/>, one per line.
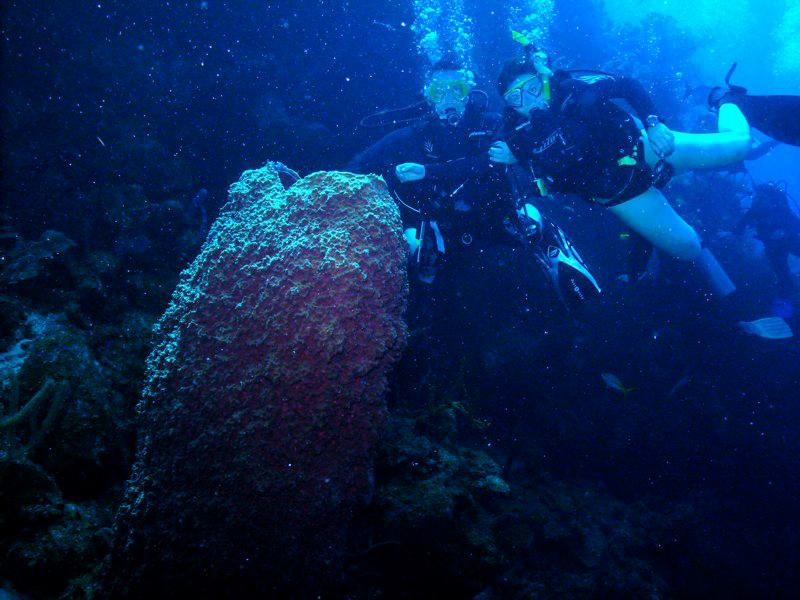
<point x="452" y="198"/>
<point x="778" y="228"/>
<point x="776" y="116"/>
<point x="599" y="137"/>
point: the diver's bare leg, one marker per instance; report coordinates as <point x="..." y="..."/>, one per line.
<point x="652" y="217"/>
<point x="709" y="150"/>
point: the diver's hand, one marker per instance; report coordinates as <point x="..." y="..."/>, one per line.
<point x="410" y="172"/>
<point x="499" y="152"/>
<point x="661" y="139"/>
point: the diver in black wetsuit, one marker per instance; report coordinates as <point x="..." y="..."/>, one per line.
<point x="576" y="136"/>
<point x="598" y="137"/>
<point x="776" y="116"/>
<point x="453" y="199"/>
<point x="778" y="227"/>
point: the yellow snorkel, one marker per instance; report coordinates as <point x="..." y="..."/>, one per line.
<point x="545" y="87"/>
<point x="520" y="38"/>
<point x="538" y="59"/>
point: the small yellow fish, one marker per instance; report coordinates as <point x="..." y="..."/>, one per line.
<point x="613" y="382"/>
<point x="625" y="236"/>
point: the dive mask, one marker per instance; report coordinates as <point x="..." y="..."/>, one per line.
<point x="447" y="89"/>
<point x="515" y="97"/>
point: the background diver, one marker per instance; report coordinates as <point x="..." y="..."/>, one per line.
<point x="599" y="137"/>
<point x="777" y="226"/>
<point x="453" y="200"/>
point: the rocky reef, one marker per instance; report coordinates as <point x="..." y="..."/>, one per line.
<point x="67" y="377"/>
<point x="504" y="469"/>
<point x="485" y="485"/>
<point x="265" y="391"/>
<point x="454" y="517"/>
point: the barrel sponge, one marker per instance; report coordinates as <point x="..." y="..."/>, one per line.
<point x="265" y="392"/>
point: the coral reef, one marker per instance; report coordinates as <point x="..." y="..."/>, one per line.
<point x="24" y="262"/>
<point x="103" y="206"/>
<point x="85" y="421"/>
<point x="49" y="395"/>
<point x="47" y="543"/>
<point x="447" y="523"/>
<point x="69" y="373"/>
<point x="265" y="391"/>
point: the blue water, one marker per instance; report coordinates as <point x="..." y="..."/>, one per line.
<point x="113" y="108"/>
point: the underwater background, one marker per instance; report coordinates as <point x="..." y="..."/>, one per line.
<point x="503" y="464"/>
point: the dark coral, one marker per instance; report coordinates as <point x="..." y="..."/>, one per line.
<point x="446" y="523"/>
<point x="265" y="392"/>
<point x="81" y="433"/>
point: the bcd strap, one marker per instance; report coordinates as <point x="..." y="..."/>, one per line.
<point x="662" y="173"/>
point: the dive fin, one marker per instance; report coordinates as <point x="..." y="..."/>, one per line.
<point x="770" y="328"/>
<point x="573" y="282"/>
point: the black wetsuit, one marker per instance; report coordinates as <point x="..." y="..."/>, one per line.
<point x="776" y="116"/>
<point x="588" y="142"/>
<point x="778" y="227"/>
<point x="467" y="196"/>
<point x="475" y="207"/>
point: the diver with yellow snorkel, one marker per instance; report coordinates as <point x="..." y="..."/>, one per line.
<point x="599" y="137"/>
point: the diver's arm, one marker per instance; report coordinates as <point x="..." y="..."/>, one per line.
<point x="500" y="152"/>
<point x="475" y="162"/>
<point x="457" y="169"/>
<point x="383" y="155"/>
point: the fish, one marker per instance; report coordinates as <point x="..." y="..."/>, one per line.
<point x="680" y="384"/>
<point x="613" y="382"/>
<point x="625" y="236"/>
